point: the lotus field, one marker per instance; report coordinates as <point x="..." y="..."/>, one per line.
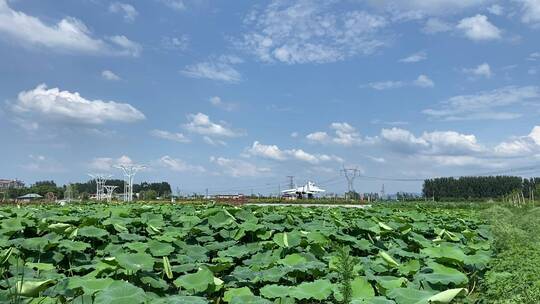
<point x="163" y="253"/>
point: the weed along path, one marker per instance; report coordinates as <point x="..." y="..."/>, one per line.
<point x="165" y="253"/>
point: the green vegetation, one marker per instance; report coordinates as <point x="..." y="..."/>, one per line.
<point x="514" y="276"/>
<point x="480" y="188"/>
<point x="165" y="253"/>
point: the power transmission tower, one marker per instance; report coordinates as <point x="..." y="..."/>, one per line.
<point x="100" y="179"/>
<point x="68" y="194"/>
<point x="350" y="174"/>
<point x="129" y="174"/>
<point x="291" y="181"/>
<point x="109" y="191"/>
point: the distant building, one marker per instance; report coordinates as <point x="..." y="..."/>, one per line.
<point x="29" y="197"/>
<point x="6" y="184"/>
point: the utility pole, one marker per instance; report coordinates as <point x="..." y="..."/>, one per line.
<point x="350" y="174"/>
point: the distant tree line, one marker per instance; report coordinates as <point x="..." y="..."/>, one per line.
<point x="147" y="190"/>
<point x="479" y="187"/>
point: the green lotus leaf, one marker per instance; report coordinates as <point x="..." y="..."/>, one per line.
<point x="135" y="261"/>
<point x="236" y="292"/>
<point x="388" y="259"/>
<point x="76" y="246"/>
<point x="293" y="260"/>
<point x="443" y="275"/>
<point x="445" y="252"/>
<point x="159" y="249"/>
<point x="249" y="299"/>
<point x="92" y="232"/>
<point x="198" y="282"/>
<point x="410" y="296"/>
<point x="274" y="291"/>
<point x="121" y="292"/>
<point x="180" y="300"/>
<point x="89" y="285"/>
<point x="318" y="290"/>
<point x="361" y="289"/>
<point x="30" y="288"/>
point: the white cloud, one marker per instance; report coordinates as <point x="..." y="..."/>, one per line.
<point x="220" y="69"/>
<point x="108" y="163"/>
<point x="128" y="47"/>
<point x="275" y="153"/>
<point x="238" y="168"/>
<point x="218" y="102"/>
<point x="180" y="43"/>
<point x="178" y="5"/>
<point x="385" y="85"/>
<point x="478" y="28"/>
<point x="531" y="12"/>
<point x="482" y="70"/>
<point x="267" y="151"/>
<point x="306" y="31"/>
<point x="201" y="124"/>
<point x="110" y="75"/>
<point x="424" y="8"/>
<point x="294" y="134"/>
<point x="534" y="56"/>
<point x="437" y="143"/>
<point x="424" y="81"/>
<point x="214" y="142"/>
<point x="344" y="135"/>
<point x="486" y="104"/>
<point x="416" y="57"/>
<point x="68" y="35"/>
<point x="435" y="25"/>
<point x="520" y="146"/>
<point x="179" y="165"/>
<point x="177" y="137"/>
<point x="42" y="164"/>
<point x="129" y="12"/>
<point x="43" y="104"/>
<point x="496" y="9"/>
<point x="320" y="137"/>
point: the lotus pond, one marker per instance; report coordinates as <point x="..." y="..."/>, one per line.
<point x="224" y="254"/>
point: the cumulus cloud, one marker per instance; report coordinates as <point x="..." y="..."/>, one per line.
<point x="216" y="101"/>
<point x="127" y="10"/>
<point x="308" y="31"/>
<point x="478" y="28"/>
<point x="343" y="134"/>
<point x="275" y="153"/>
<point x="416" y="57"/>
<point x="385" y="85"/>
<point x="42" y="164"/>
<point x="220" y="69"/>
<point x="424" y="81"/>
<point x="68" y="35"/>
<point x="437" y="143"/>
<point x="482" y="70"/>
<point x="110" y="75"/>
<point x="108" y="163"/>
<point x="496" y="9"/>
<point x="421" y="81"/>
<point x="436" y="25"/>
<point x="486" y="104"/>
<point x="178" y="165"/>
<point x="43" y="104"/>
<point x="177" y="137"/>
<point x="520" y="146"/>
<point x="201" y="124"/>
<point x="531" y="12"/>
<point x="422" y="8"/>
<point x="177" y="5"/>
<point x="239" y="168"/>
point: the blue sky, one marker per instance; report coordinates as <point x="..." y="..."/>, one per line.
<point x="236" y="95"/>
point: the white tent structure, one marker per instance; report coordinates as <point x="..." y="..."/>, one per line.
<point x="309" y="190"/>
